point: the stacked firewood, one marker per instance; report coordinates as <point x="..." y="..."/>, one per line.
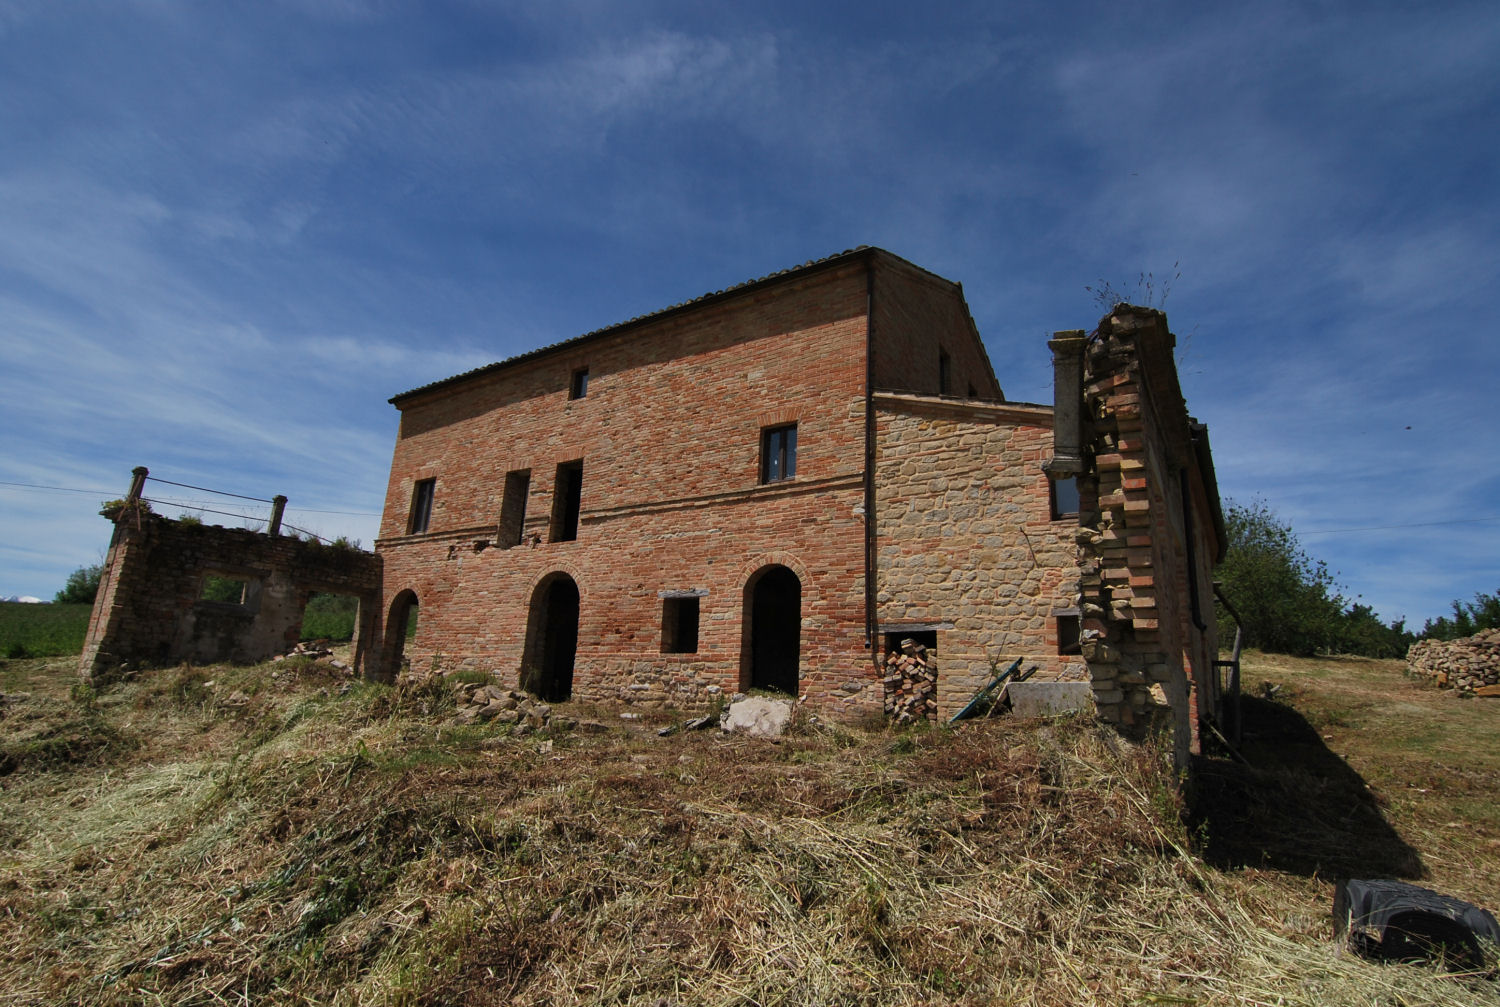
<point x="911" y="683"/>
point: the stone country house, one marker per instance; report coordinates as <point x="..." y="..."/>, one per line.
<point x="772" y="485"/>
<point x="767" y="487"/>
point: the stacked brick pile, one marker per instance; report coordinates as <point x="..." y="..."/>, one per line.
<point x="911" y="683"/>
<point x="1471" y="664"/>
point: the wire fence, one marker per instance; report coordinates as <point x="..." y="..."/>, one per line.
<point x="255" y="516"/>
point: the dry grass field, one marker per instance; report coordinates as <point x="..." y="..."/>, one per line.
<point x="219" y="835"/>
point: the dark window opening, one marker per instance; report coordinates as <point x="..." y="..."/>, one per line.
<point x="1064" y="498"/>
<point x="551" y="639"/>
<point x="513" y="507"/>
<point x="945" y="373"/>
<point x="679" y="626"/>
<point x="401" y="631"/>
<point x="774" y="630"/>
<point x="973" y="394"/>
<point x="567" y="501"/>
<point x="1069" y="634"/>
<point x="225" y="590"/>
<point x="579" y="387"/>
<point x="778" y="453"/>
<point x="421" y="506"/>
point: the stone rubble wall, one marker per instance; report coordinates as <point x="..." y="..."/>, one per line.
<point x="1471" y="664"/>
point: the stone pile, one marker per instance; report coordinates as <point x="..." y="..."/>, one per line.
<point x="1470" y="665"/>
<point x="316" y="650"/>
<point x="479" y="703"/>
<point x="911" y="683"/>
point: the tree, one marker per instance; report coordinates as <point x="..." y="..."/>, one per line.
<point x="82" y="586"/>
<point x="1288" y="601"/>
<point x="1468" y="618"/>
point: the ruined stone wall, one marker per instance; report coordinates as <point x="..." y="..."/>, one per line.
<point x="1146" y="547"/>
<point x="149" y="609"/>
<point x="1471" y="664"/>
<point x="967" y="542"/>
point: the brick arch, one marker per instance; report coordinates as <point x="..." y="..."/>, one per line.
<point x="786" y="559"/>
<point x="551" y="571"/>
<point x="393" y="643"/>
<point x="553" y="614"/>
<point x="772" y="601"/>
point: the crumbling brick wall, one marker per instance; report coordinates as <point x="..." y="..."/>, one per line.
<point x="1149" y="532"/>
<point x="150" y="609"/>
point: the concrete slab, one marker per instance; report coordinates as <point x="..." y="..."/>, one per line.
<point x="1050" y="699"/>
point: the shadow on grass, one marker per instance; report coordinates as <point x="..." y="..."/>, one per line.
<point x="1297" y="807"/>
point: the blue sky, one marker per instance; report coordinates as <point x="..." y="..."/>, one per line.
<point x="230" y="231"/>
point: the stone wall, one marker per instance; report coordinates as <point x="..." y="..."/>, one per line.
<point x="150" y="607"/>
<point x="968" y="547"/>
<point x="1471" y="664"/>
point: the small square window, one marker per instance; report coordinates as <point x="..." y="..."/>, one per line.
<point x="579" y="386"/>
<point x="1064" y="498"/>
<point x="679" y="626"/>
<point x="778" y="453"/>
<point x="1069" y="635"/>
<point x="421" y="506"/>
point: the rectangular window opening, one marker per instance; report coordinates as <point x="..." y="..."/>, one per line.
<point x="513" y="507"/>
<point x="679" y="626"/>
<point x="225" y="590"/>
<point x="926" y="639"/>
<point x="778" y="453"/>
<point x="567" y="501"/>
<point x="1069" y="633"/>
<point x="1064" y="495"/>
<point x="945" y="373"/>
<point x="421" y="506"/>
<point x="579" y="386"/>
<point x="330" y="617"/>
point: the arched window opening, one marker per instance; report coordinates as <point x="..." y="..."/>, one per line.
<point x="771" y="653"/>
<point x="551" y="639"/>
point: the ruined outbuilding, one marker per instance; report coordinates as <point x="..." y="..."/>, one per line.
<point x="153" y="606"/>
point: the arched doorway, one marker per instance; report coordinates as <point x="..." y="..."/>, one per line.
<point x="773" y="630"/>
<point x="400" y="629"/>
<point x="551" y="639"/>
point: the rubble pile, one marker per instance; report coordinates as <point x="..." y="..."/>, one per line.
<point x="481" y="704"/>
<point x="1470" y="665"/>
<point x="315" y="650"/>
<point x="911" y="683"/>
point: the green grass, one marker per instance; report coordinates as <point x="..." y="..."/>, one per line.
<point x="329" y="617"/>
<point x="42" y="630"/>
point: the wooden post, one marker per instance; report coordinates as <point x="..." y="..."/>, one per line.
<point x="278" y="504"/>
<point x="136" y="484"/>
